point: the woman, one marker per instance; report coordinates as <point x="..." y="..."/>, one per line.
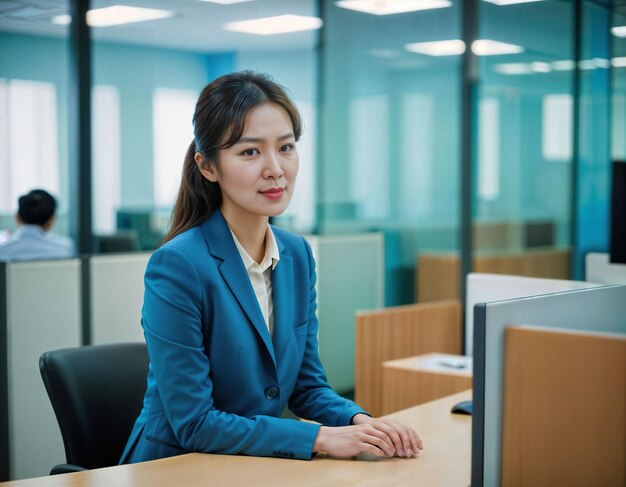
<point x="229" y="306"/>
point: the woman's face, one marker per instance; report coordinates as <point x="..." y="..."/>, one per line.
<point x="258" y="173"/>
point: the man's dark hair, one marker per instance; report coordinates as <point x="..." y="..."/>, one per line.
<point x="36" y="207"/>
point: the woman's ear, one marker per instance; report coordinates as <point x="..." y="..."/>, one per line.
<point x="207" y="170"/>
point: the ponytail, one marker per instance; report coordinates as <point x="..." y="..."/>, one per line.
<point x="197" y="197"/>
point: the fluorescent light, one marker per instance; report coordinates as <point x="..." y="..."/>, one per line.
<point x="226" y="2"/>
<point x="281" y="24"/>
<point x="487" y="47"/>
<point x="513" y="68"/>
<point x="619" y="31"/>
<point x="501" y="3"/>
<point x="388" y="7"/>
<point x="539" y="67"/>
<point x="563" y="65"/>
<point x="453" y="47"/>
<point x="619" y="62"/>
<point x="439" y="48"/>
<point x="117" y="15"/>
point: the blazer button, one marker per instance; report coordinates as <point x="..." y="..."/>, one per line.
<point x="271" y="392"/>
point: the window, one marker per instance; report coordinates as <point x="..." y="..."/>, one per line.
<point x="172" y="134"/>
<point x="29" y="153"/>
<point x="106" y="157"/>
<point x="557" y="127"/>
<point x="489" y="149"/>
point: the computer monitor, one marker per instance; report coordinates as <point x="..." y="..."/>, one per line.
<point x="601" y="309"/>
<point x="618" y="213"/>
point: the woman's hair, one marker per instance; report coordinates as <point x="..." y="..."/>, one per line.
<point x="219" y="122"/>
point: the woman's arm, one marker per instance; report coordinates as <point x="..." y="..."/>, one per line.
<point x="314" y="399"/>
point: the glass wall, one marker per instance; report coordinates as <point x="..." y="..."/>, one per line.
<point x="525" y="144"/>
<point x="33" y="108"/>
<point x="618" y="84"/>
<point x="389" y="141"/>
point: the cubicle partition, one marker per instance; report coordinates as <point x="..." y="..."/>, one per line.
<point x="485" y="288"/>
<point x="116" y="297"/>
<point x="599" y="268"/>
<point x="597" y="309"/>
<point x="570" y="397"/>
<point x="350" y="277"/>
<point x="42" y="311"/>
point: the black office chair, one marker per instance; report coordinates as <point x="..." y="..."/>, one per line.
<point x="96" y="393"/>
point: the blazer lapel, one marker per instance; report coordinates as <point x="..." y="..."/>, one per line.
<point x="282" y="285"/>
<point x="221" y="245"/>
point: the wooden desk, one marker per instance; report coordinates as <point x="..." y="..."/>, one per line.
<point x="446" y="461"/>
<point x="411" y="381"/>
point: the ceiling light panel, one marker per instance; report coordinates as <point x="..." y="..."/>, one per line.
<point x="451" y="47"/>
<point x="487" y="47"/>
<point x="619" y="31"/>
<point x="502" y="3"/>
<point x="389" y="7"/>
<point x="281" y="24"/>
<point x="117" y="15"/>
<point x="454" y="47"/>
<point x="226" y="2"/>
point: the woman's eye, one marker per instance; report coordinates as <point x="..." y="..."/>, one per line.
<point x="287" y="147"/>
<point x="249" y="152"/>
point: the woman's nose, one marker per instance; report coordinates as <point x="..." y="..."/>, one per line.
<point x="273" y="168"/>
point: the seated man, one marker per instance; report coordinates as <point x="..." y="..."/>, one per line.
<point x="31" y="241"/>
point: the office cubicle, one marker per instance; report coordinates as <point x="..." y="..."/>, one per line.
<point x="598" y="309"/>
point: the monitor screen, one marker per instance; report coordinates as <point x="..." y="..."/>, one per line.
<point x="618" y="213"/>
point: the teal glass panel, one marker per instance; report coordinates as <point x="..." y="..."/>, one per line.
<point x="618" y="85"/>
<point x="525" y="140"/>
<point x="389" y="141"/>
<point x="594" y="145"/>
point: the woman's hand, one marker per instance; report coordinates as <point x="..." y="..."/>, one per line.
<point x="405" y="441"/>
<point x="380" y="437"/>
<point x="349" y="441"/>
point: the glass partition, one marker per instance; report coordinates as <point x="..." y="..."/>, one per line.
<point x="33" y="108"/>
<point x="389" y="139"/>
<point x="525" y="142"/>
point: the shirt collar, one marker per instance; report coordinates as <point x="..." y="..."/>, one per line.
<point x="28" y="231"/>
<point x="271" y="257"/>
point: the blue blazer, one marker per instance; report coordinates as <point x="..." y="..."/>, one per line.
<point x="217" y="381"/>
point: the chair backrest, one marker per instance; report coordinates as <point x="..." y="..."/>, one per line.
<point x="96" y="393"/>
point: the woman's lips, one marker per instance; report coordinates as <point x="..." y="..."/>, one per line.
<point x="273" y="193"/>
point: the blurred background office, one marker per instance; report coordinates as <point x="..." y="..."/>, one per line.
<point x="500" y="147"/>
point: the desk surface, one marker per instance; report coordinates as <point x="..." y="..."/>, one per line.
<point x="445" y="461"/>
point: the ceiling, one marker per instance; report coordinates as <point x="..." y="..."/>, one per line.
<point x="196" y="26"/>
